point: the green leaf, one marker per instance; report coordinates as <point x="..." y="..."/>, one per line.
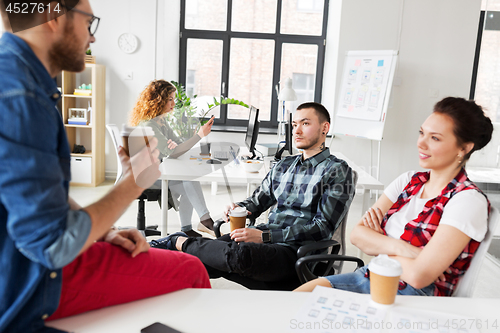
<point x="184" y="106"/>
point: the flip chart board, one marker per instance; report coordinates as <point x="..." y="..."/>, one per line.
<point x="364" y="93"/>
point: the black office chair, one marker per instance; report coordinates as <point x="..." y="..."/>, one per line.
<point x="309" y="265"/>
<point x="147" y="195"/>
<point x="151" y="194"/>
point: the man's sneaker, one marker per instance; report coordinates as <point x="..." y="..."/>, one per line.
<point x="167" y="243"/>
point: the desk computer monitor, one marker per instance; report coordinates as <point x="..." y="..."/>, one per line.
<point x="252" y="130"/>
<point x="288" y="139"/>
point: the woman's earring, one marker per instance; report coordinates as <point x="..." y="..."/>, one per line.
<point x="459" y="159"/>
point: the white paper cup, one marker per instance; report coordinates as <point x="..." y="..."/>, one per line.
<point x="384" y="279"/>
<point x="135" y="138"/>
<point x="237" y="218"/>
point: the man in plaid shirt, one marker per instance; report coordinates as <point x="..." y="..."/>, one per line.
<point x="310" y="192"/>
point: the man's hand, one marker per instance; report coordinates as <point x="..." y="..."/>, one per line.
<point x="108" y="209"/>
<point x="225" y="214"/>
<point x="247" y="235"/>
<point x="144" y="165"/>
<point x="130" y="239"/>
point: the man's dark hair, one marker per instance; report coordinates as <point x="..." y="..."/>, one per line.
<point x="321" y="111"/>
<point x="31" y="13"/>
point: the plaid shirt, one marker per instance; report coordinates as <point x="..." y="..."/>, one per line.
<point x="419" y="231"/>
<point x="311" y="197"/>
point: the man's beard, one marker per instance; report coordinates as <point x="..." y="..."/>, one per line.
<point x="66" y="54"/>
<point x="310" y="143"/>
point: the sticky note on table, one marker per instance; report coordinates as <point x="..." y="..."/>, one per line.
<point x="380" y="63"/>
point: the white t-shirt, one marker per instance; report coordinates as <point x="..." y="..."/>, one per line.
<point x="467" y="210"/>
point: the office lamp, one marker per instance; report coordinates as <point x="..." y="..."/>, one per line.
<point x="286" y="94"/>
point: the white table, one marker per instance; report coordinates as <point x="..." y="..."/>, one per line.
<point x="184" y="168"/>
<point x="366" y="182"/>
<point x="484" y="175"/>
<point x="210" y="310"/>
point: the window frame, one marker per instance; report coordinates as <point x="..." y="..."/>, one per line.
<point x="226" y="35"/>
<point x="477" y="55"/>
<point x="306" y="10"/>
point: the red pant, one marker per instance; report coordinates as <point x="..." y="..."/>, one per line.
<point x="107" y="275"/>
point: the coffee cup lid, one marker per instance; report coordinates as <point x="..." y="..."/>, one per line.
<point x="385" y="266"/>
<point x="127" y="129"/>
<point x="238" y="212"/>
<point x="137" y="131"/>
<point x="144" y="131"/>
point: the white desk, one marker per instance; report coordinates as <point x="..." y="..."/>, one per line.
<point x="484" y="175"/>
<point x="209" y="310"/>
<point x="184" y="168"/>
<point x="366" y="182"/>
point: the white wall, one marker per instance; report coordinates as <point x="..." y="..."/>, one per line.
<point x="139" y="18"/>
<point x="436" y="54"/>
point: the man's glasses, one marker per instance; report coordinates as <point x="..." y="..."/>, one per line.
<point x="94" y="21"/>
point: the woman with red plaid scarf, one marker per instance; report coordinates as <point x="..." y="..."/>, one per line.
<point x="431" y="222"/>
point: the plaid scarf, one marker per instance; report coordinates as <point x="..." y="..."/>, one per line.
<point x="419" y="231"/>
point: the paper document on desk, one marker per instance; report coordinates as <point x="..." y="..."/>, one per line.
<point x="407" y="319"/>
<point x="333" y="310"/>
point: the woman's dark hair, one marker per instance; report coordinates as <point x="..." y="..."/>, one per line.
<point x="470" y="122"/>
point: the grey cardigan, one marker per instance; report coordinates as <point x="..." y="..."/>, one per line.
<point x="163" y="132"/>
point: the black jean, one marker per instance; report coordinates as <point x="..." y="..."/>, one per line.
<point x="262" y="262"/>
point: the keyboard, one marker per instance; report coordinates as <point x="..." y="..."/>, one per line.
<point x="220" y="155"/>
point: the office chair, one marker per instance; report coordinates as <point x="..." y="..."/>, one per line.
<point x="148" y="194"/>
<point x="466" y="284"/>
<point x="306" y="271"/>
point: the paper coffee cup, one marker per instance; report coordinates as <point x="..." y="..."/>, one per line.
<point x="135" y="138"/>
<point x="205" y="148"/>
<point x="384" y="279"/>
<point x="125" y="133"/>
<point x="237" y="218"/>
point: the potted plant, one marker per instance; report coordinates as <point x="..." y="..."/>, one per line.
<point x="183" y="119"/>
<point x="89" y="58"/>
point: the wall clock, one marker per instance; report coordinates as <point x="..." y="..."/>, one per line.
<point x="128" y="42"/>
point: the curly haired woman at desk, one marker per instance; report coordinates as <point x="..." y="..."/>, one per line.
<point x="431" y="222"/>
<point x="151" y="109"/>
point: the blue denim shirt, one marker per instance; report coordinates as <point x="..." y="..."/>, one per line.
<point x="39" y="234"/>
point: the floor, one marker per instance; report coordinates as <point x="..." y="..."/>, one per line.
<point x="216" y="203"/>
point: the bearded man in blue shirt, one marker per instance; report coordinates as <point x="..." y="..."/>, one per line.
<point x="310" y="192"/>
<point x="54" y="254"/>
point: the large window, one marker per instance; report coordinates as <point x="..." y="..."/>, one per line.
<point x="485" y="87"/>
<point x="243" y="48"/>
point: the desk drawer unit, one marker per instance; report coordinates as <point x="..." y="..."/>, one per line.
<point x="81" y="170"/>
